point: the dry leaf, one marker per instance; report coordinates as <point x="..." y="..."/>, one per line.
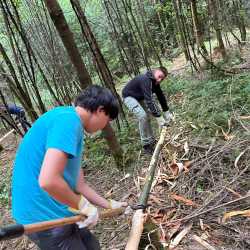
<point x="109" y="193"/>
<point x="125" y="177"/>
<point x="193" y="126"/>
<point x="175" y="242"/>
<point x="176" y="168"/>
<point x="184" y="200"/>
<point x="202" y="242"/>
<point x="227" y="136"/>
<point x="186" y="148"/>
<point x="228" y="215"/>
<point x="245" y="117"/>
<point x="187" y="165"/>
<point x="238" y="158"/>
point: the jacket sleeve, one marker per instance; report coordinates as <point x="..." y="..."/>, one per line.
<point x="148" y="97"/>
<point x="161" y="97"/>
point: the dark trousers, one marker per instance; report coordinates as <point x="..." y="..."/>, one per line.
<point x="68" y="237"/>
<point x="24" y="123"/>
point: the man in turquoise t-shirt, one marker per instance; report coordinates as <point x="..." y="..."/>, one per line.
<point x="47" y="179"/>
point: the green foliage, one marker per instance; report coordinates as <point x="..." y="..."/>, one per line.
<point x="97" y="152"/>
<point x="4" y="193"/>
<point x="209" y="104"/>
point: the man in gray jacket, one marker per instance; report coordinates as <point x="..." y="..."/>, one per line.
<point x="138" y="97"/>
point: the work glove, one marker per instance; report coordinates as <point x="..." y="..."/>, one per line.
<point x="168" y="116"/>
<point x="87" y="209"/>
<point x="116" y="204"/>
<point x="161" y="122"/>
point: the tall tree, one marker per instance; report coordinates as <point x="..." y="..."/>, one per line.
<point x="214" y="12"/>
<point x="197" y="27"/>
<point x="180" y="29"/>
<point x="67" y="37"/>
<point x="95" y="50"/>
<point x="60" y="22"/>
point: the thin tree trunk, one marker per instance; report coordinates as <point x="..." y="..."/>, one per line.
<point x="216" y="25"/>
<point x="95" y="50"/>
<point x="16" y="87"/>
<point x="180" y="30"/>
<point x="67" y="38"/>
<point x="66" y="35"/>
<point x="197" y="27"/>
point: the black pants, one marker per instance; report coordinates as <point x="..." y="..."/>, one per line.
<point x="68" y="237"/>
<point x="24" y="123"/>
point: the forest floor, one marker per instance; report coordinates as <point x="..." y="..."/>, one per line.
<point x="210" y="136"/>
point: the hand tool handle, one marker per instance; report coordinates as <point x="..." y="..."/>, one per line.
<point x="17" y="230"/>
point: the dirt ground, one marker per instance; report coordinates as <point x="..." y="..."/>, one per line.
<point x="218" y="174"/>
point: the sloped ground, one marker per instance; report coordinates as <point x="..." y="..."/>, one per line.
<point x="216" y="152"/>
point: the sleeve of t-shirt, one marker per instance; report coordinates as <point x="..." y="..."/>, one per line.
<point x="65" y="134"/>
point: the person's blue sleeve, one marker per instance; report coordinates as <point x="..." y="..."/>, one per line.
<point x="65" y="134"/>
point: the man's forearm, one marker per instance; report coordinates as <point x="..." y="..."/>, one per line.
<point x="89" y="193"/>
<point x="61" y="192"/>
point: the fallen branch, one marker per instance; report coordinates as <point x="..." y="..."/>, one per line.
<point x="202" y="242"/>
<point x="210" y="209"/>
<point x="138" y="217"/>
<point x="175" y="242"/>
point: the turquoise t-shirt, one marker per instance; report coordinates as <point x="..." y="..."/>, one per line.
<point x="60" y="128"/>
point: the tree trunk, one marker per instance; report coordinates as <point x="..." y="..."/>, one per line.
<point x="95" y="50"/>
<point x="197" y="28"/>
<point x="69" y="43"/>
<point x="240" y="19"/>
<point x="217" y="27"/>
<point x="16" y="87"/>
<point x="180" y="30"/>
<point x="66" y="35"/>
<point x="114" y="145"/>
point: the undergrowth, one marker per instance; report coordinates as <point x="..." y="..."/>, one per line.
<point x="206" y="105"/>
<point x="209" y="104"/>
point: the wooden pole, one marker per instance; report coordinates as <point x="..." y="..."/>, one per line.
<point x="17" y="230"/>
<point x="138" y="217"/>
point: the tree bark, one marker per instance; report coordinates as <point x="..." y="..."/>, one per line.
<point x="66" y="35"/>
<point x="70" y="45"/>
<point x="197" y="27"/>
<point x="180" y="30"/>
<point x="217" y="27"/>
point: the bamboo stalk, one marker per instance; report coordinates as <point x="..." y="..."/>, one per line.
<point x="138" y="217"/>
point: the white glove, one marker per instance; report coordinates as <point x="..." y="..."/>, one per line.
<point x="168" y="116"/>
<point x="86" y="208"/>
<point x="161" y="121"/>
<point x="117" y="204"/>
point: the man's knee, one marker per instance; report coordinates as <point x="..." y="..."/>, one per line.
<point x="142" y="116"/>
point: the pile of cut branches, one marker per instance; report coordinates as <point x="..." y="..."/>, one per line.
<point x="202" y="190"/>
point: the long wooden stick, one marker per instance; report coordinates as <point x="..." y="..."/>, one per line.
<point x="138" y="217"/>
<point x="17" y="230"/>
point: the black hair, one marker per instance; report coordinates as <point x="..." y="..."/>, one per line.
<point x="96" y="96"/>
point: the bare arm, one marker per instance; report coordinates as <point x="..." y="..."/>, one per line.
<point x="52" y="181"/>
<point x="89" y="193"/>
